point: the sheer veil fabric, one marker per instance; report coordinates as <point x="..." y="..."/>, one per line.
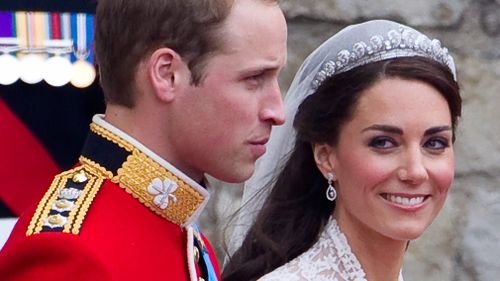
<point x="353" y="46"/>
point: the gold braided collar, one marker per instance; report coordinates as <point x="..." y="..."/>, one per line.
<point x="167" y="192"/>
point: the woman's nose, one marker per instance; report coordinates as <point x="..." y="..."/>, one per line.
<point x="412" y="169"/>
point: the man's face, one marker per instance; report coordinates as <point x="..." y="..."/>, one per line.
<point x="228" y="117"/>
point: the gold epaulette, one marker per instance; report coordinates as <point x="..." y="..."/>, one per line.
<point x="65" y="204"/>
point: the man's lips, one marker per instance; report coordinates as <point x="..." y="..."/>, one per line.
<point x="258" y="146"/>
<point x="259" y="141"/>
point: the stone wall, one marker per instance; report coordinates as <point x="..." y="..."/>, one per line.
<point x="463" y="244"/>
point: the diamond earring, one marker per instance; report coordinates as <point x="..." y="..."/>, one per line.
<point x="331" y="193"/>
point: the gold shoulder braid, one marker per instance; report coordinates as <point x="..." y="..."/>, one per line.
<point x="107" y="156"/>
<point x="65" y="204"/>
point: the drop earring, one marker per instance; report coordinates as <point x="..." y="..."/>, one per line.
<point x="331" y="193"/>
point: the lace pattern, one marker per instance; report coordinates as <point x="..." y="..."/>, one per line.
<point x="329" y="259"/>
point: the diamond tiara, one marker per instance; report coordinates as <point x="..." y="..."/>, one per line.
<point x="404" y="42"/>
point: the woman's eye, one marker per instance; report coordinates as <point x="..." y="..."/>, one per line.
<point x="382" y="143"/>
<point x="437" y="143"/>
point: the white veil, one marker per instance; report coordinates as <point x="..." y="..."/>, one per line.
<point x="353" y="46"/>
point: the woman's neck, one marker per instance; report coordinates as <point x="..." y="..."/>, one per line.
<point x="381" y="257"/>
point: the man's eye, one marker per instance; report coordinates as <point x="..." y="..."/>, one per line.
<point x="254" y="81"/>
<point x="255" y="77"/>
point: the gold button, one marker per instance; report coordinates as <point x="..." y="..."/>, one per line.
<point x="62" y="204"/>
<point x="80" y="177"/>
<point x="196" y="253"/>
<point x="55" y="220"/>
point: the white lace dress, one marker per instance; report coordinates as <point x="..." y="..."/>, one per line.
<point x="329" y="259"/>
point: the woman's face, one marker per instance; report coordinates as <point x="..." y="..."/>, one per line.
<point x="394" y="161"/>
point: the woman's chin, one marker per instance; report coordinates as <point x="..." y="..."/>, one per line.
<point x="409" y="233"/>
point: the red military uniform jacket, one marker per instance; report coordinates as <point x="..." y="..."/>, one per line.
<point x="122" y="214"/>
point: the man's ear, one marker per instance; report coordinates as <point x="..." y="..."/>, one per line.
<point x="322" y="156"/>
<point x="167" y="72"/>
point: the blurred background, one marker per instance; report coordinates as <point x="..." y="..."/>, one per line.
<point x="463" y="244"/>
<point x="48" y="94"/>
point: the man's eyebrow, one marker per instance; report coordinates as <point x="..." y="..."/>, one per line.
<point x="262" y="69"/>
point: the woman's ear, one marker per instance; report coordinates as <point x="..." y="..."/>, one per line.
<point x="167" y="72"/>
<point x="322" y="156"/>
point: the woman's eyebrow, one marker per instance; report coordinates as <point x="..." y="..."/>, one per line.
<point x="438" y="129"/>
<point x="384" y="128"/>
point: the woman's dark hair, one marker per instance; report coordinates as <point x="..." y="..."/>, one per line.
<point x="296" y="209"/>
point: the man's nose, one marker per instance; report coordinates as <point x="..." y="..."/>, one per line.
<point x="273" y="109"/>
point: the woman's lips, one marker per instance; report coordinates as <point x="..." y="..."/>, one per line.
<point x="406" y="201"/>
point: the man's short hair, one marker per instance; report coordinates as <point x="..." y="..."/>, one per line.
<point x="126" y="31"/>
